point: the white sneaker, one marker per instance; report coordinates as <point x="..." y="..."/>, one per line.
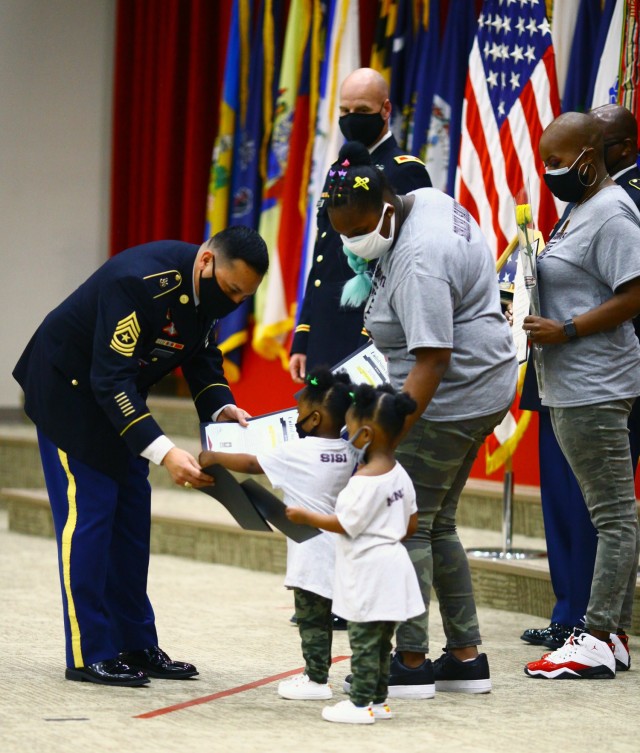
<point x="347" y="713"/>
<point x="620" y="646"/>
<point x="381" y="711"/>
<point x="301" y="688"/>
<point x="582" y="657"/>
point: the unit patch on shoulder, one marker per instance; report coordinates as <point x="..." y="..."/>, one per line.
<point x="635" y="182"/>
<point x="126" y="335"/>
<point x="407" y="158"/>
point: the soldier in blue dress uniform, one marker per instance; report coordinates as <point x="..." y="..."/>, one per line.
<point x="86" y="374"/>
<point x="327" y="332"/>
<point x="569" y="532"/>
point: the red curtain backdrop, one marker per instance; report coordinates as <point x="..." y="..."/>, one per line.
<point x="168" y="73"/>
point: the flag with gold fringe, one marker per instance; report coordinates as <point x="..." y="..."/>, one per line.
<point x="283" y="212"/>
<point x="232" y="109"/>
<point x="341" y="57"/>
<point x="501" y="444"/>
<point x="246" y="183"/>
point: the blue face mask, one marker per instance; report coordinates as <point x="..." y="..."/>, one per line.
<point x="359" y="452"/>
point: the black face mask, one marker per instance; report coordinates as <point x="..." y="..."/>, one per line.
<point x="361" y="126"/>
<point x="302" y="433"/>
<point x="214" y="302"/>
<point x="569" y="186"/>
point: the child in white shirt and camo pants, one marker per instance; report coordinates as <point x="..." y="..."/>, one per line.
<point x="375" y="585"/>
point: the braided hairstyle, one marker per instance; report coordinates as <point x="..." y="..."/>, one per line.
<point x="354" y="181"/>
<point x="330" y="391"/>
<point x="383" y="406"/>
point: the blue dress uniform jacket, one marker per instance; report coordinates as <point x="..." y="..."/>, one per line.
<point x="86" y="374"/>
<point x="87" y="370"/>
<point x="326" y="331"/>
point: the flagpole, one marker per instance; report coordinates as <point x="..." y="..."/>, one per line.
<point x="507" y="552"/>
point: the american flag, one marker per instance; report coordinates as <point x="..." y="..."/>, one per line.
<point x="511" y="95"/>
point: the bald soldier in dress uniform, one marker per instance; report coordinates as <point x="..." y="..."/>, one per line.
<point x="86" y="374"/>
<point x="326" y="332"/>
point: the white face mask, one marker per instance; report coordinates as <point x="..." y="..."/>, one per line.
<point x="564" y="170"/>
<point x="372" y="245"/>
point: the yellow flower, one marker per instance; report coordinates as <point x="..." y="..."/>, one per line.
<point x="523" y="214"/>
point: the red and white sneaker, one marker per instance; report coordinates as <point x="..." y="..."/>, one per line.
<point x="582" y="657"/>
<point x="619" y="644"/>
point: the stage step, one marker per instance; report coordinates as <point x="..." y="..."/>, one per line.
<point x="480" y="504"/>
<point x="190" y="524"/>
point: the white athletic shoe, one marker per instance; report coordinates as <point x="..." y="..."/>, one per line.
<point x="347" y="713"/>
<point x="620" y="646"/>
<point x="301" y="688"/>
<point x="583" y="656"/>
<point x="381" y="711"/>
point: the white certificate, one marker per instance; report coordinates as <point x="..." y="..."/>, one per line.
<point x="263" y="433"/>
<point x="367" y="364"/>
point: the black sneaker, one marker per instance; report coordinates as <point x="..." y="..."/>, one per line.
<point x="404" y="682"/>
<point x="455" y="676"/>
<point x="553" y="636"/>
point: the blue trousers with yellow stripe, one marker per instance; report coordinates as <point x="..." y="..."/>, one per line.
<point x="102" y="529"/>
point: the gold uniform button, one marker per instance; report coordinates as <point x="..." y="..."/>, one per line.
<point x="74" y="382"/>
<point x="317" y="283"/>
<point x="154" y="359"/>
<point x="323" y="234"/>
<point x="178" y="278"/>
<point x="319" y="257"/>
<point x="184" y="299"/>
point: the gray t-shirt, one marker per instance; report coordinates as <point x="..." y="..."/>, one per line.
<point x="579" y="270"/>
<point x="438" y="288"/>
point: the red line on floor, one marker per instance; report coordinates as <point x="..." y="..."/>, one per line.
<point x="226" y="693"/>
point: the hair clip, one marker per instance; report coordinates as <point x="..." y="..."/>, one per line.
<point x="361" y="183"/>
<point x="342" y="174"/>
<point x="313" y="381"/>
<point x="352" y="395"/>
<point x="346" y="163"/>
<point x="332" y="173"/>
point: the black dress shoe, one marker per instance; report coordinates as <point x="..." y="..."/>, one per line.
<point x="155" y="663"/>
<point x="552" y="636"/>
<point x="109" y="672"/>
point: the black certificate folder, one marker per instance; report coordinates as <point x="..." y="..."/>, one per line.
<point x="231" y="495"/>
<point x="273" y="510"/>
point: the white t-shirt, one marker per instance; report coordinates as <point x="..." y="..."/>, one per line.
<point x="311" y="472"/>
<point x="375" y="579"/>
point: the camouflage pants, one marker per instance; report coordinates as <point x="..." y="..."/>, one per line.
<point x="438" y="456"/>
<point x="595" y="442"/>
<point x="313" y="615"/>
<point x="370" y="659"/>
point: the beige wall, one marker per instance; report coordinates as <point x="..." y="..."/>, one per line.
<point x="56" y="85"/>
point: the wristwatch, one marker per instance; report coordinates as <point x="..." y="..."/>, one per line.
<point x="570" y="329"/>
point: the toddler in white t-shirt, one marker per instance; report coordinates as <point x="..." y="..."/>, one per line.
<point x="375" y="582"/>
<point x="311" y="471"/>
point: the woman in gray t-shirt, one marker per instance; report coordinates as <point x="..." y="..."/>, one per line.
<point x="589" y="281"/>
<point x="434" y="311"/>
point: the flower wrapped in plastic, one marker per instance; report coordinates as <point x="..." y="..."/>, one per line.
<point x="528" y="244"/>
